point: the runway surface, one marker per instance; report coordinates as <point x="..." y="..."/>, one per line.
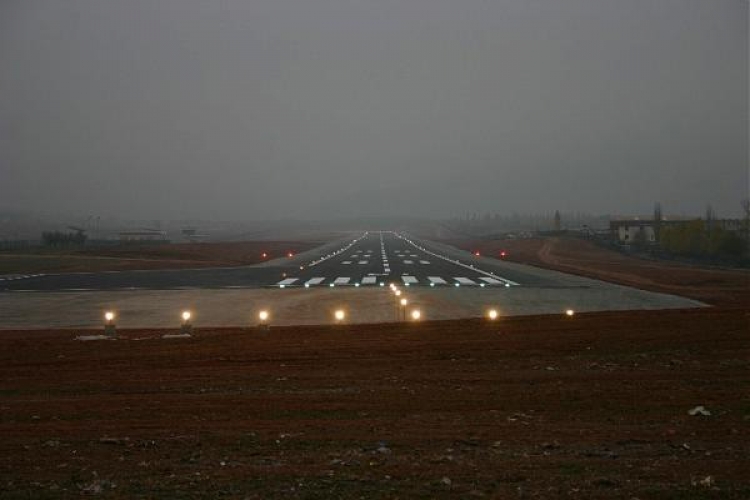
<point x="441" y="281"/>
<point x="372" y="259"/>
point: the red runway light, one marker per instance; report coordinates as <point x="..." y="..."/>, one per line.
<point x="290" y="254"/>
<point x="476" y="253"/>
<point x="503" y="254"/>
<point x="264" y="255"/>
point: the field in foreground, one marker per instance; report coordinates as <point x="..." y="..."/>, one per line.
<point x="594" y="406"/>
<point x="149" y="256"/>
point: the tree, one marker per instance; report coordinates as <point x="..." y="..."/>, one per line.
<point x="657" y="220"/>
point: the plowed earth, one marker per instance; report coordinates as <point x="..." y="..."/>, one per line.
<point x="594" y="406"/>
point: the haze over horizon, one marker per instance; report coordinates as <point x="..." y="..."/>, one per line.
<point x="327" y="108"/>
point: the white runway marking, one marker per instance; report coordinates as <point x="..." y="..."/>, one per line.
<point x="424" y="261"/>
<point x="408" y="262"/>
<point x="347" y="262"/>
<point x="362" y="262"/>
<point x="341" y="281"/>
<point x="437" y="280"/>
<point x="491" y="281"/>
<point x="369" y="280"/>
<point x="409" y="280"/>
<point x="456" y="262"/>
<point x="315" y="281"/>
<point x="287" y="281"/>
<point x="465" y="281"/>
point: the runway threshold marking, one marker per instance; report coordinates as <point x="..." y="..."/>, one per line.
<point x="315" y="281"/>
<point x="409" y="280"/>
<point x="341" y="281"/>
<point x="369" y="280"/>
<point x="437" y="280"/>
<point x="465" y="281"/>
<point x="456" y="262"/>
<point x="287" y="281"/>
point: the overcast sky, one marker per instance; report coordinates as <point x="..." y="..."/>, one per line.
<point x="320" y="108"/>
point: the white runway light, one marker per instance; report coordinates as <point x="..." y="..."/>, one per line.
<point x="186" y="315"/>
<point x="492" y="314"/>
<point x="570" y="313"/>
<point x="109" y="316"/>
<point x="339" y="315"/>
<point x="416" y="315"/>
<point x="263" y="316"/>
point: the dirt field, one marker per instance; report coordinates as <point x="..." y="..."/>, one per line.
<point x="164" y="256"/>
<point x="590" y="407"/>
<point x="575" y="256"/>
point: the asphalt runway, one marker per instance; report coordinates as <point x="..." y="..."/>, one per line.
<point x="441" y="281"/>
<point x="371" y="259"/>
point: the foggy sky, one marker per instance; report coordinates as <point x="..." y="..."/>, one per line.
<point x="333" y="108"/>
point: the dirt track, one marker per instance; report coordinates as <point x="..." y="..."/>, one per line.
<point x="575" y="256"/>
<point x="590" y="407"/>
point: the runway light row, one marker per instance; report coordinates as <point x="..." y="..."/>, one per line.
<point x="339" y="315"/>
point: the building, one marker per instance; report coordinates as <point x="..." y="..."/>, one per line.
<point x="632" y="231"/>
<point x="142" y="235"/>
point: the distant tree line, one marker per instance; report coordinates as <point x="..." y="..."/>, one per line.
<point x="60" y="239"/>
<point x="487" y="223"/>
<point x="699" y="238"/>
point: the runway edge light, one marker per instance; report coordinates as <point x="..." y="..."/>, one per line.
<point x="187" y="326"/>
<point x="109" y="324"/>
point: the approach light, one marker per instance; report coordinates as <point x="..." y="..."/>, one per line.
<point x="263" y="316"/>
<point x="398" y="293"/>
<point x="307" y="285"/>
<point x="186" y="315"/>
<point x="570" y="312"/>
<point x="339" y="315"/>
<point x="416" y="314"/>
<point x="476" y="253"/>
<point x="492" y="314"/>
<point x="109" y="324"/>
<point x="503" y="254"/>
<point x="404" y="302"/>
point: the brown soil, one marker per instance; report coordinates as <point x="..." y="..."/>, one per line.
<point x="152" y="256"/>
<point x="576" y="256"/>
<point x="594" y="406"/>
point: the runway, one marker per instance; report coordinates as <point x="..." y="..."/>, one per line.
<point x="371" y="259"/>
<point x="353" y="274"/>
